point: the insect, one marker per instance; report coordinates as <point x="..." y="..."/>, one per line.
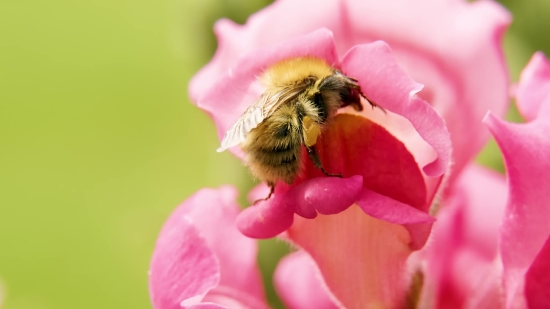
<point x="302" y="96"/>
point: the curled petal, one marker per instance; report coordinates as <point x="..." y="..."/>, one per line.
<point x="362" y="259"/>
<point x="382" y="207"/>
<point x="525" y="227"/>
<point x="384" y="82"/>
<point x="300" y="284"/>
<point x="326" y="195"/>
<point x="534" y="86"/>
<point x="266" y="219"/>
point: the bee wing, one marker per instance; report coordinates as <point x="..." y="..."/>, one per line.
<point x="256" y="113"/>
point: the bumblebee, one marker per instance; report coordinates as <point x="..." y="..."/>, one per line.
<point x="302" y="96"/>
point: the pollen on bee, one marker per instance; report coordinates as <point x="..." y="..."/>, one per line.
<point x="311" y="131"/>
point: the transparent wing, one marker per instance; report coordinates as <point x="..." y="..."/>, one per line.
<point x="258" y="112"/>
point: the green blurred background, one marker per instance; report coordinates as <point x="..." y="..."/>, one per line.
<point x="98" y="141"/>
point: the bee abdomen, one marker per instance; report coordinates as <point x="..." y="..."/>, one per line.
<point x="275" y="164"/>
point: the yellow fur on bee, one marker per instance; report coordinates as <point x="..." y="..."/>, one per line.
<point x="288" y="72"/>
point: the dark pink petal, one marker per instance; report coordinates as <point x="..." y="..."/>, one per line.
<point x="362" y="259"/>
<point x="534" y="86"/>
<point x="353" y="145"/>
<point x="525" y="228"/>
<point x="299" y="283"/>
<point x="268" y="218"/>
<point x="183" y="267"/>
<point x="387" y="209"/>
<point x="200" y="254"/>
<point x="417" y="222"/>
<point x="238" y="88"/>
<point x="384" y="82"/>
<point x="537" y="280"/>
<point x="326" y="195"/>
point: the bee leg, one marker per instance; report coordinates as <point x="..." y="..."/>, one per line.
<point x="317" y="162"/>
<point x="372" y="103"/>
<point x="271" y="190"/>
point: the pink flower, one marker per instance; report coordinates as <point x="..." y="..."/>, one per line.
<point x="357" y="234"/>
<point x="391" y="170"/>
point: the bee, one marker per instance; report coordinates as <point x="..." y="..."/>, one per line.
<point x="302" y="96"/>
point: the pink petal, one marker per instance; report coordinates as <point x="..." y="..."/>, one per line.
<point x="299" y="284"/>
<point x="384" y="82"/>
<point x="369" y="157"/>
<point x="362" y="259"/>
<point x="268" y="218"/>
<point x="460" y="61"/>
<point x="534" y="86"/>
<point x="183" y="268"/>
<point x="200" y="254"/>
<point x="525" y="228"/>
<point x="460" y="268"/>
<point x="326" y="195"/>
<point x="387" y="209"/>
<point x="353" y="145"/>
<point x="214" y="213"/>
<point x="233" y="298"/>
<point x="264" y="28"/>
<point x="537" y="280"/>
<point x="237" y="89"/>
<point x="205" y="306"/>
<point x="481" y="195"/>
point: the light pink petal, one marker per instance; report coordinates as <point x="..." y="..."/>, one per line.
<point x="534" y="86"/>
<point x="266" y="27"/>
<point x="460" y="261"/>
<point x="299" y="283"/>
<point x="205" y="306"/>
<point x="362" y="259"/>
<point x="537" y="280"/>
<point x="460" y="61"/>
<point x="384" y="82"/>
<point x="183" y="267"/>
<point x="233" y="298"/>
<point x="200" y="254"/>
<point x="526" y="149"/>
<point x="481" y="195"/>
<point x="214" y="213"/>
<point x="238" y="88"/>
